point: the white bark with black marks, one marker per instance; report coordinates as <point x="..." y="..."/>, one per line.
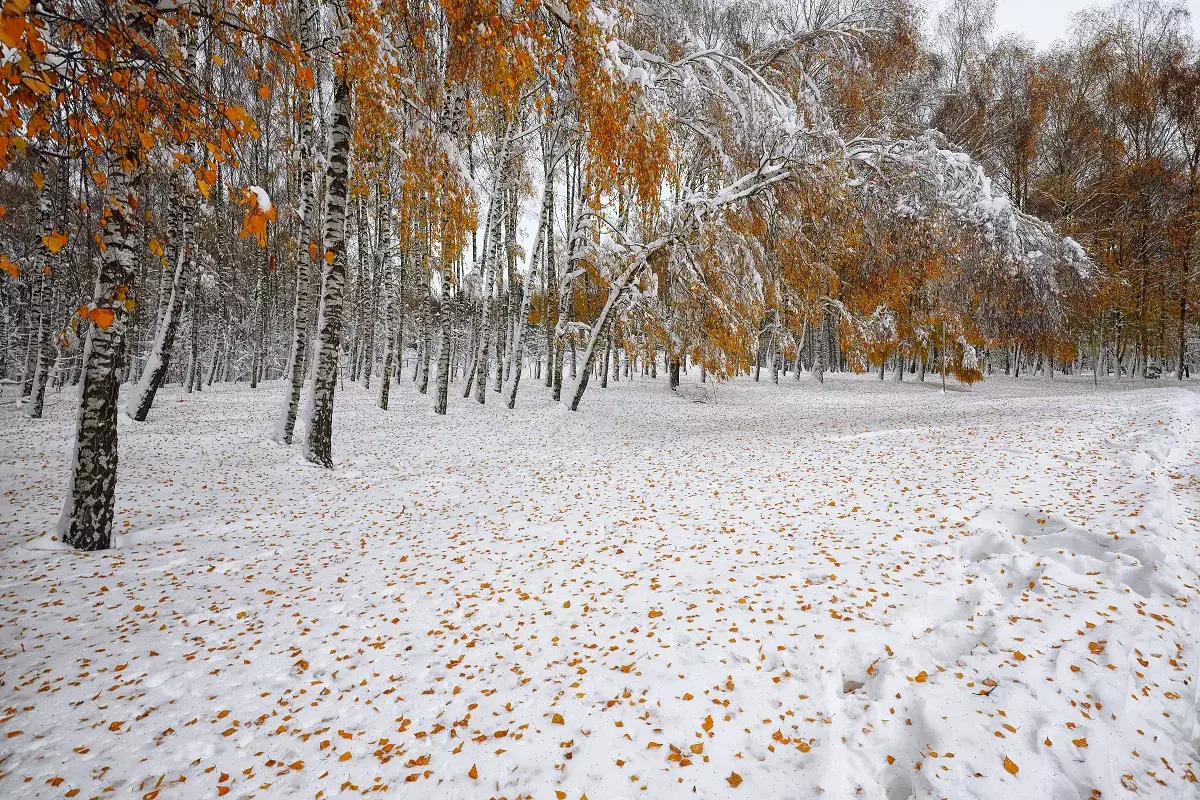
<point x="516" y="345"/>
<point x="490" y="259"/>
<point x="44" y="339"/>
<point x="88" y="510"/>
<point x="306" y="247"/>
<point x="318" y="446"/>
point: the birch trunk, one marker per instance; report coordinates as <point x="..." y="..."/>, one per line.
<point x="574" y="249"/>
<point x="372" y="285"/>
<point x="87" y="516"/>
<point x="516" y="346"/>
<point x="306" y="248"/>
<point x="619" y="285"/>
<point x="158" y="361"/>
<point x="821" y="348"/>
<point x="255" y="328"/>
<point x="604" y="362"/>
<point x="319" y="431"/>
<point x="189" y="375"/>
<point x="31" y="325"/>
<point x="426" y="341"/>
<point x="490" y="257"/>
<point x="387" y="272"/>
<point x="440" y="400"/>
<point x="46" y="348"/>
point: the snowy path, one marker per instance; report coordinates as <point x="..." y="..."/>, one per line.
<point x="863" y="590"/>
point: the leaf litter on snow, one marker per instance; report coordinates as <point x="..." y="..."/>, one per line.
<point x="855" y="590"/>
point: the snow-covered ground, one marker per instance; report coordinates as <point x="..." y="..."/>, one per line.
<point x="753" y="591"/>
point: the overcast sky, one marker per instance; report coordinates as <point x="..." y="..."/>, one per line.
<point x="1043" y="21"/>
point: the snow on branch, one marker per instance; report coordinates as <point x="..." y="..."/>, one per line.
<point x="927" y="175"/>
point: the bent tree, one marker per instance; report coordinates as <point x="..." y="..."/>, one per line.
<point x="159" y="359"/>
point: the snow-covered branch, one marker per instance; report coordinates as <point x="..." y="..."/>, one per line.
<point x="926" y="175"/>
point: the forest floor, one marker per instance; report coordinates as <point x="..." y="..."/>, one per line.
<point x="865" y="589"/>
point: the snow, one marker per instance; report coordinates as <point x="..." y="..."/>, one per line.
<point x="866" y="589"/>
<point x="261" y="198"/>
<point x="951" y="180"/>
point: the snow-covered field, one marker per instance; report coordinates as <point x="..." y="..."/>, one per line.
<point x="862" y="590"/>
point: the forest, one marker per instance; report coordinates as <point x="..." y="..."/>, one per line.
<point x="437" y="193"/>
<point x="858" y="333"/>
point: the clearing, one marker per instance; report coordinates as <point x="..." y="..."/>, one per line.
<point x="864" y="589"/>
